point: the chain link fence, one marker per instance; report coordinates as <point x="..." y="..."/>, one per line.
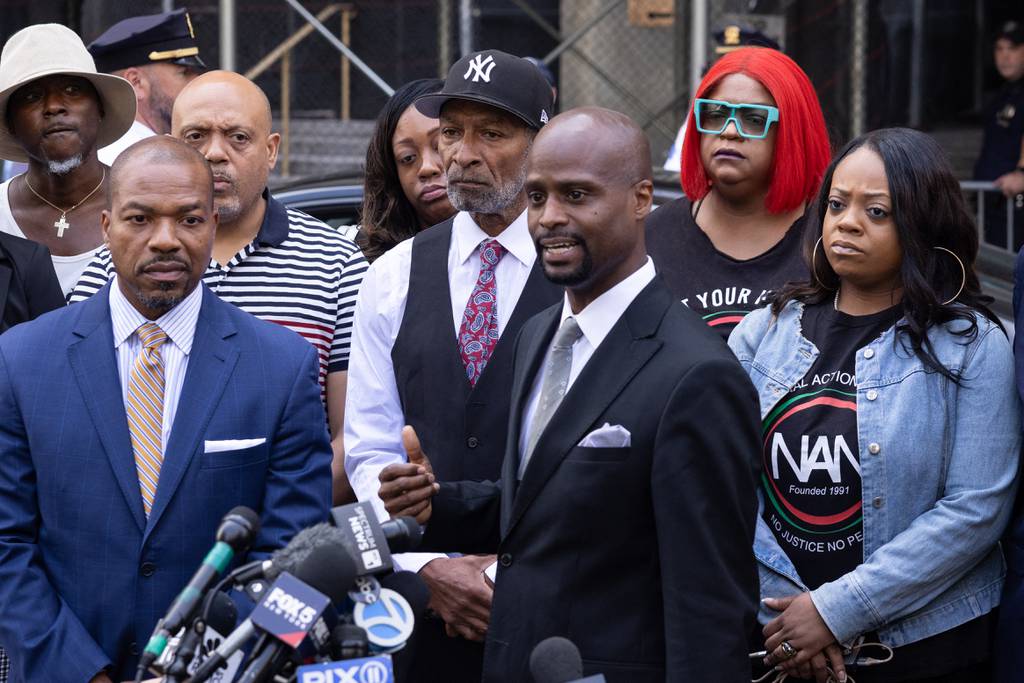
<point x="873" y="62"/>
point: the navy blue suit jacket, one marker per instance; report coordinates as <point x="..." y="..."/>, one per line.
<point x="84" y="575"/>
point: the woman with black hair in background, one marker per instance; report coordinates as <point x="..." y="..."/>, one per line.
<point x="405" y="188"/>
<point x="891" y="429"/>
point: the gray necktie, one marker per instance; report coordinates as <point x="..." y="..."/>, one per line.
<point x="556" y="381"/>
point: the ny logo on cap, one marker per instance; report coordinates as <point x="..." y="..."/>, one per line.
<point x="480" y="68"/>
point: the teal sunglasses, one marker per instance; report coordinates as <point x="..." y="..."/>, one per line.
<point x="752" y="120"/>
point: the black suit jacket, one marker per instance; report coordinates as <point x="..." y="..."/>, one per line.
<point x="640" y="555"/>
<point x="28" y="285"/>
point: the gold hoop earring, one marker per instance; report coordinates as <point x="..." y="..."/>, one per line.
<point x="963" y="275"/>
<point x="814" y="265"/>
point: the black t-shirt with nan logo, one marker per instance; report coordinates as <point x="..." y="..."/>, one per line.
<point x="719" y="288"/>
<point x="811" y="464"/>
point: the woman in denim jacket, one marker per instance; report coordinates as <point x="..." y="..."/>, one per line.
<point x="891" y="430"/>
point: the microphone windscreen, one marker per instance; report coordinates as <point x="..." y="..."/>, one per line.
<point x="239" y="527"/>
<point x="247" y="514"/>
<point x="556" y="660"/>
<point x="295" y="553"/>
<point x="223" y="614"/>
<point x="329" y="569"/>
<point x="403" y="533"/>
<point x="411" y="587"/>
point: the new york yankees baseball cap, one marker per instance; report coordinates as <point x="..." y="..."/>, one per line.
<point x="498" y="79"/>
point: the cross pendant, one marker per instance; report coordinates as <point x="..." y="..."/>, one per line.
<point x="61" y="226"/>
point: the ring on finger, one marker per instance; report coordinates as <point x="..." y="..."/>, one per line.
<point x="788" y="651"/>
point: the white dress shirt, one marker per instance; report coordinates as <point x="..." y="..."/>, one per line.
<point x="373" y="410"/>
<point x="179" y="324"/>
<point x="595" y="321"/>
<point x="138" y="131"/>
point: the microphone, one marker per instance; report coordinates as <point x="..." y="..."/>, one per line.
<point x="236" y="532"/>
<point x="288" y="558"/>
<point x="289" y="612"/>
<point x="399" y="535"/>
<point x="349" y="641"/>
<point x="557" y="660"/>
<point x="390" y="619"/>
<point x="371" y="543"/>
<point x="180" y="661"/>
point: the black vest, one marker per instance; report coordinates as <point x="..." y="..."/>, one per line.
<point x="462" y="429"/>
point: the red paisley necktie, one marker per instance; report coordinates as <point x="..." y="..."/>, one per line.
<point x="478" y="333"/>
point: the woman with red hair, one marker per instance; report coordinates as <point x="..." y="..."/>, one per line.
<point x="753" y="156"/>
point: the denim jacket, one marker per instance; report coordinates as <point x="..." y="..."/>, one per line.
<point x="938" y="468"/>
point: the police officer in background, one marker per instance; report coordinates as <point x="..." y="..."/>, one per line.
<point x="158" y="55"/>
<point x="1002" y="149"/>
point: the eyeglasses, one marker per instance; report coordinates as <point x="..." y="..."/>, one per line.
<point x="751" y="120"/>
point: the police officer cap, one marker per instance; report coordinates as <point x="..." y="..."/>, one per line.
<point x="734" y="36"/>
<point x="151" y="39"/>
<point x="1013" y="31"/>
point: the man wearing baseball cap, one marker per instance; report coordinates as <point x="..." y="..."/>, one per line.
<point x="55" y="112"/>
<point x="434" y="327"/>
<point x="158" y="55"/>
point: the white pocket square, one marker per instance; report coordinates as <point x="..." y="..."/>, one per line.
<point x="607" y="436"/>
<point x="219" y="445"/>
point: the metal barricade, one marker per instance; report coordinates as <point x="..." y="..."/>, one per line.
<point x="981" y="189"/>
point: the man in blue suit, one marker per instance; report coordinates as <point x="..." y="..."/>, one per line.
<point x="132" y="422"/>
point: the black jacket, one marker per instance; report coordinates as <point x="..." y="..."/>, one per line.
<point x="640" y="555"/>
<point x="28" y="284"/>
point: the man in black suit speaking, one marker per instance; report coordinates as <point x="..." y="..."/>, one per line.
<point x="625" y="514"/>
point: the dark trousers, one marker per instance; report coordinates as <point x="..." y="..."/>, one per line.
<point x="439" y="658"/>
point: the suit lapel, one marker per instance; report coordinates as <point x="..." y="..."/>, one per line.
<point x="627" y="348"/>
<point x="94" y="362"/>
<point x="528" y="360"/>
<point x="210" y="364"/>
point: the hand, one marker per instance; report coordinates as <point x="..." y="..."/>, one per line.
<point x="406" y="489"/>
<point x="803" y="628"/>
<point x="101" y="677"/>
<point x="461" y="594"/>
<point x="1012" y="183"/>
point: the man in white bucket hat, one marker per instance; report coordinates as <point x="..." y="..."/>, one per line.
<point x="56" y="110"/>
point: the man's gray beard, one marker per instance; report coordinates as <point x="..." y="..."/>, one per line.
<point x="490" y="201"/>
<point x="64" y="166"/>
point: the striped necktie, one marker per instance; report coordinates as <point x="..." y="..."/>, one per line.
<point x="145" y="408"/>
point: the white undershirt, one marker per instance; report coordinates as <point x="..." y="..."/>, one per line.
<point x="68" y="268"/>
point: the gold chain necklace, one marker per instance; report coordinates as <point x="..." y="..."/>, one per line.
<point x="62" y="224"/>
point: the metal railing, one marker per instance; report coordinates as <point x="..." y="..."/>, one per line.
<point x="283" y="53"/>
<point x="980" y="189"/>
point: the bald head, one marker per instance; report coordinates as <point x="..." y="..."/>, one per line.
<point x="157" y="151"/>
<point x="226" y="117"/>
<point x="224" y="89"/>
<point x="608" y="141"/>
<point x="589" y="191"/>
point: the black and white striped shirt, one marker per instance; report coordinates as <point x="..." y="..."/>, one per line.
<point x="298" y="272"/>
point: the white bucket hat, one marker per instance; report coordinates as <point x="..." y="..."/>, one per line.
<point x="48" y="49"/>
